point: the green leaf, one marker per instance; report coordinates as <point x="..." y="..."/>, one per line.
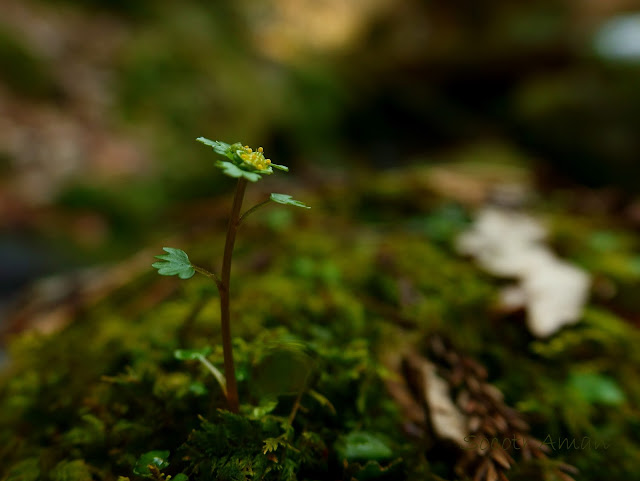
<point x="157" y="459"/>
<point x="26" y="470"/>
<point x="233" y="170"/>
<point x="180" y="477"/>
<point x="70" y="471"/>
<point x="176" y="262"/>
<point x="191" y="354"/>
<point x="284" y="370"/>
<point x="287" y="200"/>
<point x="280" y="167"/>
<point x="362" y="446"/>
<point x="265" y="407"/>
<point x="270" y="445"/>
<point x="198" y="388"/>
<point x="221" y="148"/>
<point x="596" y="388"/>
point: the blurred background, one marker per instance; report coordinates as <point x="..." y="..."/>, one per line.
<point x="101" y="102"/>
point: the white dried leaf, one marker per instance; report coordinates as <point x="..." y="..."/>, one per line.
<point x="556" y="293"/>
<point x="509" y="244"/>
<point x="447" y="420"/>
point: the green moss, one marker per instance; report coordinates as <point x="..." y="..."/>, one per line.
<point x="311" y="311"/>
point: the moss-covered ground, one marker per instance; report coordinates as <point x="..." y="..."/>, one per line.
<point x="319" y="302"/>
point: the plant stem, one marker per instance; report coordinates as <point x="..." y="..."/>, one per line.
<point x="217" y="374"/>
<point x="225" y="318"/>
<point x="210" y="275"/>
<point x="296" y="406"/>
<point x="253" y="209"/>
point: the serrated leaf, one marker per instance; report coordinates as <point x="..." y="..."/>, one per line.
<point x="270" y="444"/>
<point x="288" y="200"/>
<point x="233" y="170"/>
<point x="221" y="148"/>
<point x="156" y="459"/>
<point x="176" y="262"/>
<point x="191" y="354"/>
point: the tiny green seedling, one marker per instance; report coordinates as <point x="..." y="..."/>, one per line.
<point x="246" y="165"/>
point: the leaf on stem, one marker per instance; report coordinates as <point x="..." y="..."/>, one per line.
<point x="280" y="167"/>
<point x="287" y="200"/>
<point x="219" y="147"/>
<point x="191" y="354"/>
<point x="233" y="170"/>
<point x="176" y="262"/>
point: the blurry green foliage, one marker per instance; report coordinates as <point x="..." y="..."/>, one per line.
<point x="284" y="369"/>
<point x="600" y="106"/>
<point x="71" y="471"/>
<point x="22" y="70"/>
<point x="26" y="470"/>
<point x="609" y="253"/>
<point x="442" y="225"/>
<point x="362" y="446"/>
<point x="155" y="459"/>
<point x="191" y="354"/>
<point x="596" y="388"/>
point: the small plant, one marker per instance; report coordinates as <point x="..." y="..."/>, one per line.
<point x="246" y="165"/>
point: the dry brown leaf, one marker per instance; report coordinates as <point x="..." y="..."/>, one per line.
<point x="564" y="476"/>
<point x="446" y="420"/>
<point x="500" y="422"/>
<point x="492" y="474"/>
<point x="481" y="471"/>
<point x="501" y="457"/>
<point x="474" y="423"/>
<point x="568" y="468"/>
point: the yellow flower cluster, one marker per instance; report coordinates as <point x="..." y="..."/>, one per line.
<point x="255" y="159"/>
